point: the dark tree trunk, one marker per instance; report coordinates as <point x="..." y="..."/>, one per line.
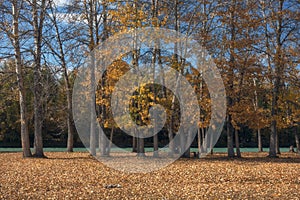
<point x="155" y="145"/>
<point x="237" y="143"/>
<point x="199" y="142"/>
<point x="230" y="150"/>
<point x="134" y="144"/>
<point x="272" y="151"/>
<point x="297" y="140"/>
<point x="274" y="145"/>
<point x="277" y="144"/>
<point x="204" y="144"/>
<point x="141" y="147"/>
<point x="70" y="123"/>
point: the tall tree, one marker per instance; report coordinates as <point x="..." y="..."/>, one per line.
<point x="13" y="33"/>
<point x="281" y="25"/>
<point x="38" y="10"/>
<point x="61" y="40"/>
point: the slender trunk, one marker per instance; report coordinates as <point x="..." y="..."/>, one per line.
<point x="171" y="139"/>
<point x="91" y="28"/>
<point x="103" y="146"/>
<point x="230" y="150"/>
<point x="70" y="140"/>
<point x="297" y="140"/>
<point x="277" y="144"/>
<point x="102" y="143"/>
<point x="272" y="151"/>
<point x="170" y="129"/>
<point x="260" y="148"/>
<point x="237" y="143"/>
<point x="274" y="147"/>
<point x="155" y="145"/>
<point x="154" y="52"/>
<point x="204" y="145"/>
<point x="68" y="87"/>
<point x="183" y="142"/>
<point x="70" y="123"/>
<point x="102" y="137"/>
<point x="110" y="140"/>
<point x="199" y="142"/>
<point x="93" y="141"/>
<point x="22" y="94"/>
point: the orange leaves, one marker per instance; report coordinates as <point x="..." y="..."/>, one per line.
<point x="78" y="176"/>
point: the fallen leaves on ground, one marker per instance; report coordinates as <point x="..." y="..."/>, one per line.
<point x="79" y="176"/>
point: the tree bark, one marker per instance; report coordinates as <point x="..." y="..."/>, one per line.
<point x="277" y="144"/>
<point x="134" y="144"/>
<point x="110" y="141"/>
<point x="297" y="140"/>
<point x="19" y="71"/>
<point x="274" y="147"/>
<point x="93" y="139"/>
<point x="199" y="142"/>
<point x="91" y="17"/>
<point x="204" y="144"/>
<point x="237" y="143"/>
<point x="141" y="147"/>
<point x="272" y="150"/>
<point x="154" y="52"/>
<point x="230" y="150"/>
<point x="38" y="22"/>
<point x="260" y="148"/>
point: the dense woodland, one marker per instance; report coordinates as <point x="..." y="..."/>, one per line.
<point x="254" y="43"/>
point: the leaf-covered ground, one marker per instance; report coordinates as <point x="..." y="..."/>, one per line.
<point x="78" y="176"/>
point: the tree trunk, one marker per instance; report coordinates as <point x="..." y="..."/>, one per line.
<point x="204" y="144"/>
<point x="141" y="147"/>
<point x="272" y="151"/>
<point x="22" y="94"/>
<point x="297" y="140"/>
<point x="155" y="145"/>
<point x="274" y="145"/>
<point x="38" y="20"/>
<point x="154" y="52"/>
<point x="171" y="140"/>
<point x="199" y="142"/>
<point x="70" y="123"/>
<point x="68" y="87"/>
<point x="102" y="143"/>
<point x="134" y="144"/>
<point x="237" y="143"/>
<point x="260" y="148"/>
<point x="93" y="141"/>
<point x="230" y="150"/>
<point x="277" y="144"/>
<point x="110" y="141"/>
<point x="184" y="150"/>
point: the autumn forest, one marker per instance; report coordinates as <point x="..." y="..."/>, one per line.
<point x="254" y="44"/>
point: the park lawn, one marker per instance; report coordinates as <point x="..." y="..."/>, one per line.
<point x="79" y="176"/>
